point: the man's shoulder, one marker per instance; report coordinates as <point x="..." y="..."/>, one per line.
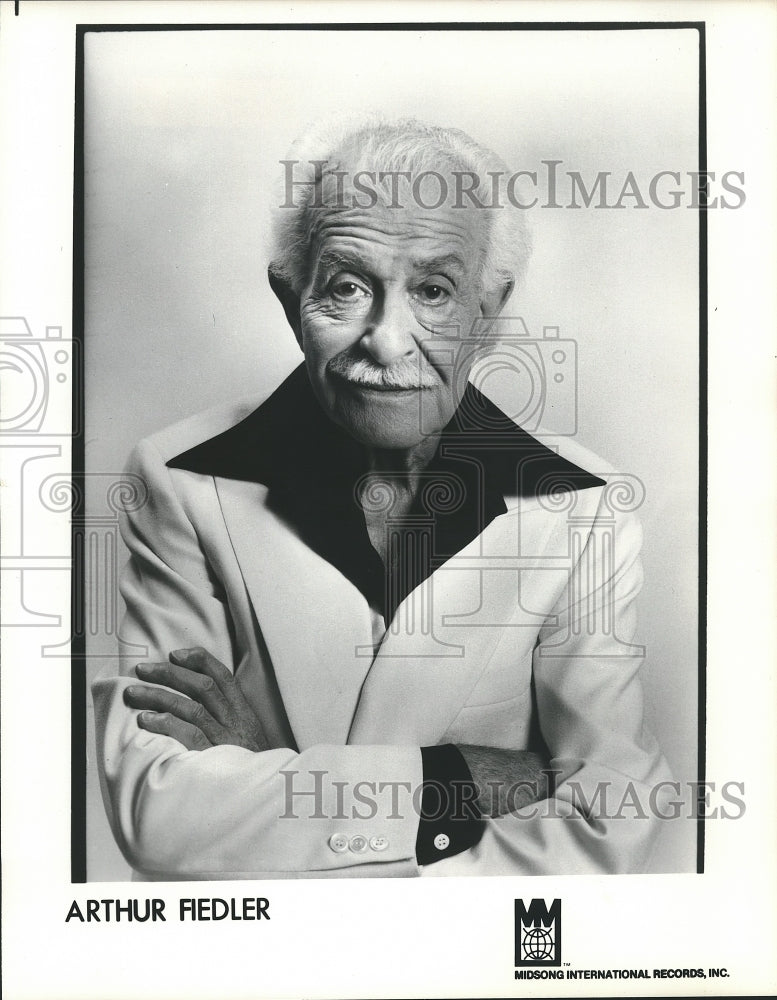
<point x="601" y="486"/>
<point x="187" y="433"/>
<point x="549" y="464"/>
<point x="573" y="451"/>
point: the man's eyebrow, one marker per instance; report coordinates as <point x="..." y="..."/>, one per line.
<point x="339" y="258"/>
<point x="333" y="258"/>
<point x="444" y="262"/>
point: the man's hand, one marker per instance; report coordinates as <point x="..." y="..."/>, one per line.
<point x="214" y="713"/>
<point x="506" y="780"/>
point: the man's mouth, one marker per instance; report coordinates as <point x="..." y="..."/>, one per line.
<point x="381" y="387"/>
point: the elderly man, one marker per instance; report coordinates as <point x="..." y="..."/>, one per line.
<point x="377" y="642"/>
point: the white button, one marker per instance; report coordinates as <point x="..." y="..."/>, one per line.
<point x="358" y="844"/>
<point x="338" y="842"/>
<point x="441" y="841"/>
<point x="379" y="843"/>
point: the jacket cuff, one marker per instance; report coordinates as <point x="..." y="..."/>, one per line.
<point x="450" y="821"/>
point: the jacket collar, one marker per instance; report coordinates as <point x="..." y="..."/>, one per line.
<point x="311" y="467"/>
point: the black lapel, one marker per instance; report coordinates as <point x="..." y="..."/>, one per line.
<point x="311" y="467"/>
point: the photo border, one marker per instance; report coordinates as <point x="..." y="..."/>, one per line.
<point x="79" y="693"/>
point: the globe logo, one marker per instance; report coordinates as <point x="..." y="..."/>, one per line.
<point x="537" y="932"/>
<point x="537" y="945"/>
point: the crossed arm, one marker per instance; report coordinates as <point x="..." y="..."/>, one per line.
<point x="195" y="699"/>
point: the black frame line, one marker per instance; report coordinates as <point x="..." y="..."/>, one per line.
<point x="78" y="692"/>
<point x="701" y="760"/>
<point x="78" y="660"/>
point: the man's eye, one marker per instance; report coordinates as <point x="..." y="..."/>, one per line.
<point x="434" y="294"/>
<point x="348" y="290"/>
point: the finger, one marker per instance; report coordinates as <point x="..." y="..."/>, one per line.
<point x="185" y="709"/>
<point x="240" y="720"/>
<point x="198" y="686"/>
<point x="205" y="664"/>
<point x="168" y="725"/>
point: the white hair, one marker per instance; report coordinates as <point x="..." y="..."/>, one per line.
<point x="401" y="145"/>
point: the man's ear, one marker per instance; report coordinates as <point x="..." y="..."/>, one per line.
<point x="495" y="299"/>
<point x="289" y="299"/>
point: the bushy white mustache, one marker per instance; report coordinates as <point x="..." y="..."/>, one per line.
<point x="402" y="375"/>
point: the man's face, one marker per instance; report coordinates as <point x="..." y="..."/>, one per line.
<point x="382" y="282"/>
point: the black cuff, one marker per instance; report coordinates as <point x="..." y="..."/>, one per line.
<point x="450" y="820"/>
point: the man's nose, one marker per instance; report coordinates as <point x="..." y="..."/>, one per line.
<point x="388" y="336"/>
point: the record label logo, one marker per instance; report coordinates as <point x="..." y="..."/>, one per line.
<point x="537" y="933"/>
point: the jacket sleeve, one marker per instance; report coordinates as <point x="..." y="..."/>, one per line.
<point x="611" y="780"/>
<point x="225" y="812"/>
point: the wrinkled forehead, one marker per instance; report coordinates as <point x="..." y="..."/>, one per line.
<point x="371" y="222"/>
